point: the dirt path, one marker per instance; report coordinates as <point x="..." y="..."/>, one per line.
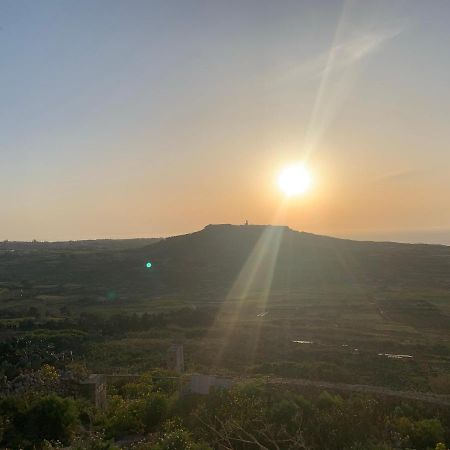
<point x="441" y="400"/>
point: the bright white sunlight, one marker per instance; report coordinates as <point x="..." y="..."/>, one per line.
<point x="294" y="180"/>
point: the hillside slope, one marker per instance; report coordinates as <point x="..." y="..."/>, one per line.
<point x="215" y="257"/>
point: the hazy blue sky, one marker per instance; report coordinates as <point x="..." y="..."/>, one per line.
<point x="148" y="118"/>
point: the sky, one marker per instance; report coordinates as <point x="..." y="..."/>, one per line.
<point x="151" y="118"/>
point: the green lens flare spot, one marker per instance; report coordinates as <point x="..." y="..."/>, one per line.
<point x="148" y="264"/>
<point x="111" y="295"/>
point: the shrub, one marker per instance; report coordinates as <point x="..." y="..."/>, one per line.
<point x="32" y="421"/>
<point x="427" y="433"/>
<point x="154" y="410"/>
<point x="123" y="417"/>
<point x="50" y="418"/>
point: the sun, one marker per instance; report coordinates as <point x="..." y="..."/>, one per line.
<point x="294" y="180"/>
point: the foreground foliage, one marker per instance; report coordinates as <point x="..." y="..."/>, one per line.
<point x="150" y="414"/>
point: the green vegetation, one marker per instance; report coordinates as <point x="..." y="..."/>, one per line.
<point x="336" y="311"/>
<point x="144" y="415"/>
<point x="29" y="421"/>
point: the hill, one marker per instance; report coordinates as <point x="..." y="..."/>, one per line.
<point x="262" y="264"/>
<point x="215" y="256"/>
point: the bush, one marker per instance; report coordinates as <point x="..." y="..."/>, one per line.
<point x="154" y="410"/>
<point x="50" y="418"/>
<point x="427" y="433"/>
<point x="177" y="438"/>
<point x="30" y="422"/>
<point x="123" y="417"/>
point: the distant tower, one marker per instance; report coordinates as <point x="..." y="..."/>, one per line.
<point x="246" y="223"/>
<point x="175" y="358"/>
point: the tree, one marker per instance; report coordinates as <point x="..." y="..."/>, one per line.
<point x="50" y="418"/>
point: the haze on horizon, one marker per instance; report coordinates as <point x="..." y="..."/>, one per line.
<point x="135" y="119"/>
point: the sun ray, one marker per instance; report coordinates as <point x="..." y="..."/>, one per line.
<point x="260" y="264"/>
